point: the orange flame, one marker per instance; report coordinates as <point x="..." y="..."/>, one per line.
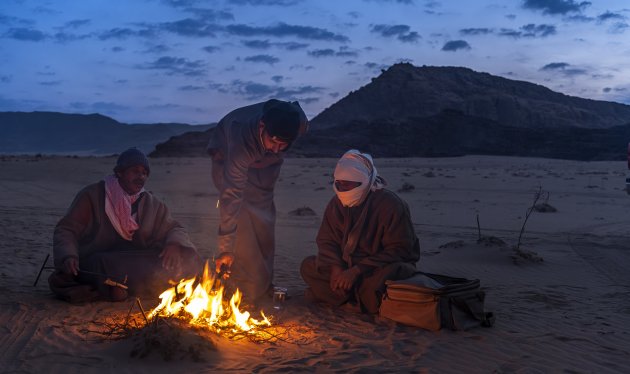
<point x="203" y="305"/>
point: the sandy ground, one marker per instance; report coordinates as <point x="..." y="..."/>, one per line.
<point x="570" y="313"/>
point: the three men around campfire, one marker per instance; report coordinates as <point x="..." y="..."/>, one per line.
<point x="366" y="237"/>
<point x="116" y="238"/>
<point x="247" y="150"/>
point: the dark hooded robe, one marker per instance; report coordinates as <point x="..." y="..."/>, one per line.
<point x="377" y="236"/>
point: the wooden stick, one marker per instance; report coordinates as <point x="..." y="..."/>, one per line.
<point x="478" y="229"/>
<point x="129" y="313"/>
<point x="142" y="310"/>
<point x="110" y="282"/>
<point x="42" y="269"/>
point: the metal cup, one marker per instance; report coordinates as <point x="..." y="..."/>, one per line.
<point x="279" y="296"/>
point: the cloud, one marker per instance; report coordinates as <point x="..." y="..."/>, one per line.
<point x="160" y="48"/>
<point x="259" y="91"/>
<point x="77" y="23"/>
<point x="117" y="33"/>
<point x="618" y="28"/>
<point x="265" y="2"/>
<point x="25" y="34"/>
<point x="329" y="52"/>
<point x="607" y="16"/>
<point x="555" y="7"/>
<point x="266" y="44"/>
<point x="49" y="83"/>
<point x="563" y="68"/>
<point x="618" y="94"/>
<point x="618" y="20"/>
<point x="579" y="18"/>
<point x="176" y="65"/>
<point x="346" y="52"/>
<point x="401" y="32"/>
<point x="277" y="78"/>
<point x="257" y="44"/>
<point x="533" y="31"/>
<point x="210" y="15"/>
<point x="267" y="59"/>
<point x="211" y="48"/>
<point x="191" y="88"/>
<point x="391" y="1"/>
<point x="5" y="78"/>
<point x="476" y="31"/>
<point x="555" y="66"/>
<point x="180" y="3"/>
<point x="291" y="46"/>
<point x="282" y="29"/>
<point x="64" y="37"/>
<point x="529" y="31"/>
<point x="455" y="45"/>
<point x="190" y="27"/>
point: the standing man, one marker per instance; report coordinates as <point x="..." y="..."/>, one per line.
<point x="247" y="150"/>
<point x="366" y="237"/>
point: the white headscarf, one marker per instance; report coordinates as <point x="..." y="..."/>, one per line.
<point x="357" y="167"/>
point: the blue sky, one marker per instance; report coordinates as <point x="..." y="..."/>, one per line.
<point x="192" y="61"/>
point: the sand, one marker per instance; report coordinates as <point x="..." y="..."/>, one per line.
<point x="568" y="313"/>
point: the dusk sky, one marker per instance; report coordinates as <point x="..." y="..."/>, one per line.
<point x="192" y="61"/>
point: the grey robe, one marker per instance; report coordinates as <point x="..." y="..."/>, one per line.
<point x="245" y="176"/>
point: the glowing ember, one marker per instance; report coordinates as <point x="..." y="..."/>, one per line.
<point x="201" y="303"/>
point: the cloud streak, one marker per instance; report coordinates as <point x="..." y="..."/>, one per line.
<point x="283" y="30"/>
<point x="176" y="66"/>
<point x="455" y="45"/>
<point x="401" y="32"/>
<point x="556" y="7"/>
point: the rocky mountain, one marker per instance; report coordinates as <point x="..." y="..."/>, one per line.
<point x="190" y="144"/>
<point x="79" y="134"/>
<point x="404" y="91"/>
<point x="452" y="133"/>
<point x="449" y="111"/>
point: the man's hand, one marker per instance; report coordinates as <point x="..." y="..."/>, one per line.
<point x="223" y="264"/>
<point x="171" y="258"/>
<point x="71" y="266"/>
<point x="334" y="275"/>
<point x="345" y="279"/>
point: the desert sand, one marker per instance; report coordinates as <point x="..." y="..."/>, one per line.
<point x="568" y="313"/>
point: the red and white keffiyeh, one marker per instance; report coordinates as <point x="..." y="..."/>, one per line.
<point x="118" y="207"/>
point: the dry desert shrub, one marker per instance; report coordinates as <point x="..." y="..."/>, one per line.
<point x="303" y="212"/>
<point x="544" y="208"/>
<point x="406" y="187"/>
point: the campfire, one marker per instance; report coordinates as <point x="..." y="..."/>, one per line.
<point x="201" y="303"/>
<point x="190" y="316"/>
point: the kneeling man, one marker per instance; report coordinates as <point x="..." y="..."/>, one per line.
<point x="366" y="237"/>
